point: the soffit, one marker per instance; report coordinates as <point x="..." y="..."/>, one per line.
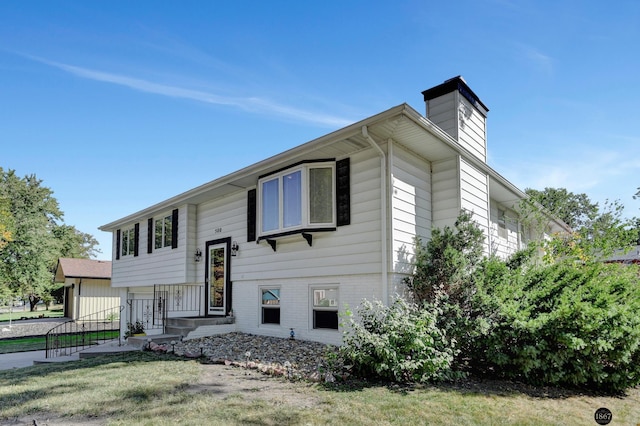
<point x="401" y="123"/>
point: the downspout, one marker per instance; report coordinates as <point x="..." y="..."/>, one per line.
<point x="79" y="298"/>
<point x="383" y="213"/>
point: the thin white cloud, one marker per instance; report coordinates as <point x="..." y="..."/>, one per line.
<point x="601" y="174"/>
<point x="253" y="104"/>
<point x="537" y="58"/>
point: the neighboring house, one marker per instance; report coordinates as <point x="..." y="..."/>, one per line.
<point x="87" y="287"/>
<point x="628" y="256"/>
<point x="290" y="241"/>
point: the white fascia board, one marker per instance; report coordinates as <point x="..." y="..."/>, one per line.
<point x="255" y="169"/>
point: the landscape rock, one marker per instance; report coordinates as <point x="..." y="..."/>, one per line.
<point x="271" y="355"/>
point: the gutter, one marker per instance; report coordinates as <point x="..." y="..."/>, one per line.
<point x="383" y="213"/>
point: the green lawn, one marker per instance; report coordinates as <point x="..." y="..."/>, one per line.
<point x="24" y="344"/>
<point x="55" y="311"/>
<point x="146" y="389"/>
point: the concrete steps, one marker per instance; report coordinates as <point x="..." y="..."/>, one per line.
<point x="183" y="326"/>
<point x="178" y="328"/>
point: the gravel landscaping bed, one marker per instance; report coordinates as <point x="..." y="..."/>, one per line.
<point x="23" y="328"/>
<point x="273" y="355"/>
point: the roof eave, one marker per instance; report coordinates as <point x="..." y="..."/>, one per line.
<point x="256" y="168"/>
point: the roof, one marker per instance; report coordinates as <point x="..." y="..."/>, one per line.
<point x="82" y="268"/>
<point x="402" y="123"/>
<point x="629" y="255"/>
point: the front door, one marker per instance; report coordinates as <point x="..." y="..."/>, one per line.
<point x="217" y="279"/>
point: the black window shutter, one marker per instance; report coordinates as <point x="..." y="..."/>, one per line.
<point x="117" y="244"/>
<point x="136" y="238"/>
<point x="150" y="235"/>
<point x="174" y="229"/>
<point x="343" y="192"/>
<point x="251" y="215"/>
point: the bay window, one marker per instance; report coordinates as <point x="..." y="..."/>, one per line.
<point x="300" y="197"/>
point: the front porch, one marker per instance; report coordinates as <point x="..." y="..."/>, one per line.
<point x="175" y="312"/>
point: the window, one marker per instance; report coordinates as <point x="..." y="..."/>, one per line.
<point x="270" y="305"/>
<point x="297" y="198"/>
<point x="128" y="241"/>
<point x="325" y="307"/>
<point x="502" y="224"/>
<point x="164" y="232"/>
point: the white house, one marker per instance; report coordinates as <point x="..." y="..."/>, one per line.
<point x="288" y="242"/>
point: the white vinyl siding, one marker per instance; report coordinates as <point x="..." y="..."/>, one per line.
<point x="443" y="111"/>
<point x="454" y="114"/>
<point x="411" y="206"/>
<point x="472" y="131"/>
<point x="445" y="192"/>
<point x="352" y="249"/>
<point x="474" y="196"/>
<point x="162" y="266"/>
<point x="506" y="241"/>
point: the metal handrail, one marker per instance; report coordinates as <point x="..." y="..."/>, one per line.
<point x="75" y="335"/>
<point x="167" y="298"/>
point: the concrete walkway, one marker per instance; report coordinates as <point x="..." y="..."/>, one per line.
<point x="20" y="359"/>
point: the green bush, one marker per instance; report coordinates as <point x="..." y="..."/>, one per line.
<point x="401" y="342"/>
<point x="563" y="325"/>
<point x="447" y="262"/>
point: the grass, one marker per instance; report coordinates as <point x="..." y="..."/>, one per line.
<point x="38" y="343"/>
<point x="55" y="311"/>
<point x="145" y="389"/>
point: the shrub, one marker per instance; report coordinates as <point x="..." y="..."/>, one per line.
<point x="446" y="263"/>
<point x="401" y="342"/>
<point x="562" y="325"/>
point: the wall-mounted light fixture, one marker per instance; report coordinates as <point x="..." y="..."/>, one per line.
<point x="234" y="248"/>
<point x="198" y="256"/>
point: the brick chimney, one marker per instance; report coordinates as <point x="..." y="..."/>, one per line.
<point x="454" y="108"/>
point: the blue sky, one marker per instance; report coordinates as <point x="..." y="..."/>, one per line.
<point x="119" y="105"/>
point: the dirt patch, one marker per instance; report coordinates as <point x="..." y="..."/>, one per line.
<point x="222" y="381"/>
<point x="219" y="381"/>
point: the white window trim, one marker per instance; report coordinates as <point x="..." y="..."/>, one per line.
<point x="331" y="308"/>
<point x="162" y="217"/>
<point x="130" y="234"/>
<point x="304" y="199"/>
<point x="261" y="305"/>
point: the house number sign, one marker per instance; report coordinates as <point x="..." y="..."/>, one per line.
<point x="217" y="230"/>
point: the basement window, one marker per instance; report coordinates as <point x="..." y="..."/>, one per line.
<point x="270" y="305"/>
<point x="325" y="307"/>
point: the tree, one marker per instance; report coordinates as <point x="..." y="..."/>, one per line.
<point x="36" y="239"/>
<point x="576" y="210"/>
<point x="6" y="222"/>
<point x="596" y="232"/>
<point x="74" y="243"/>
<point x="27" y="260"/>
<point x="447" y="262"/>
